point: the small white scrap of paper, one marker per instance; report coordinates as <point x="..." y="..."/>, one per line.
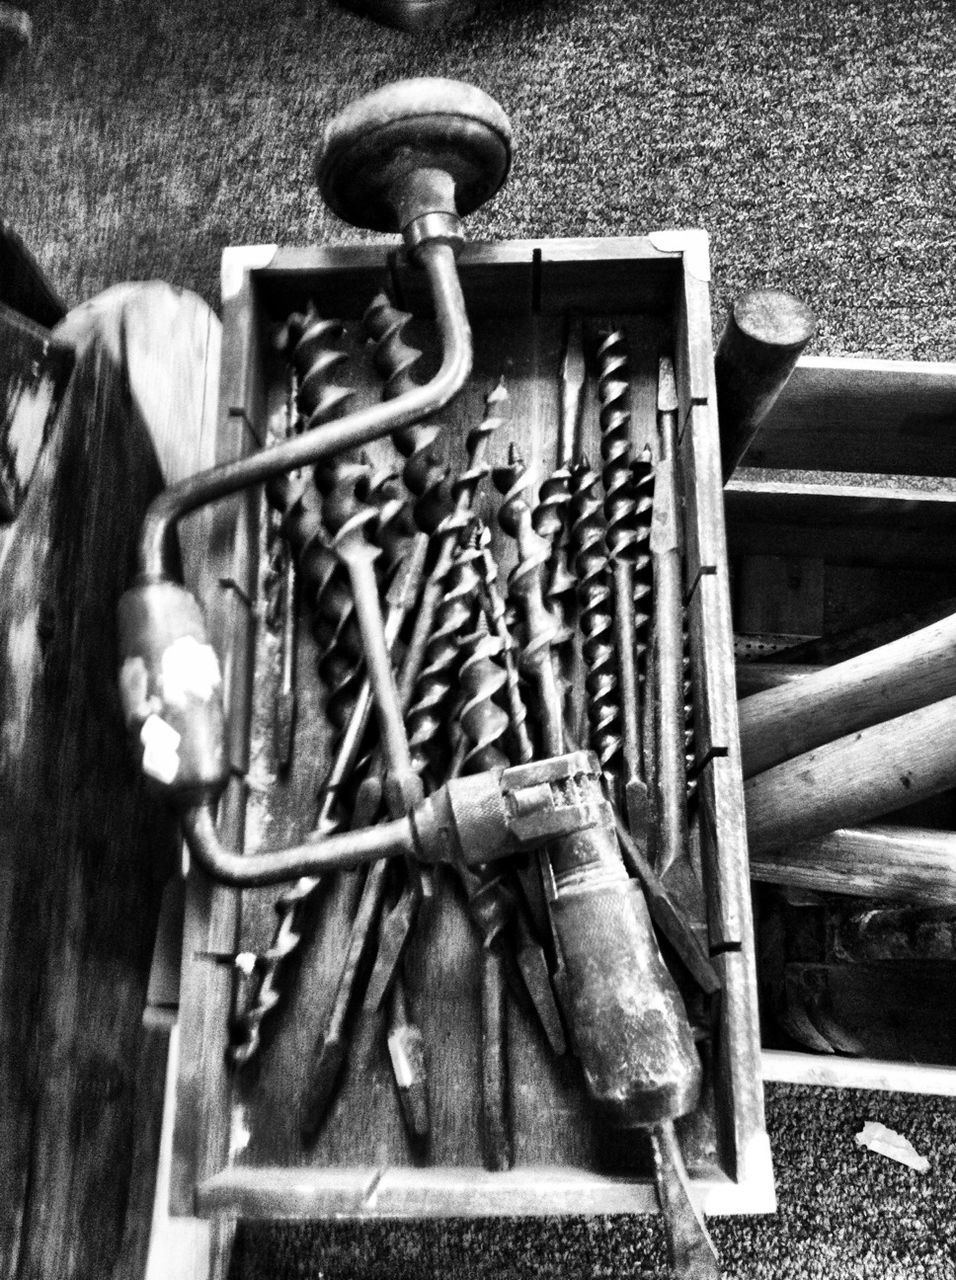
<point x="876" y="1137"/>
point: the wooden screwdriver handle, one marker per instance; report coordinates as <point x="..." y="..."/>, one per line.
<point x="854" y="779"/>
<point x="914" y="671"/>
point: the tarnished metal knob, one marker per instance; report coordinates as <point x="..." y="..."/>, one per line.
<point x="411" y="148"/>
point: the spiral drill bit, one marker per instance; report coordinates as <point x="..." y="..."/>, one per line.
<point x="526" y="586"/>
<point x="427" y="716"/>
<point x="485" y="723"/>
<point x="596" y="613"/>
<point x="425" y="473"/>
<point x="311" y="346"/>
<point x="642" y="472"/>
<point x="496" y="614"/>
<point x="621" y="540"/>
<point x="551" y="519"/>
<point x="447" y="537"/>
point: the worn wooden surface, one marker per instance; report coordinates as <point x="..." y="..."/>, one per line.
<point x="890" y="417"/>
<point x="517" y="296"/>
<point x="34" y="370"/>
<point x="895" y="863"/>
<point x="83" y="851"/>
<point x="886" y="682"/>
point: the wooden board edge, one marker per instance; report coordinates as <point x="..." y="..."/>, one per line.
<point x="789" y="1067"/>
<point x="370" y="1193"/>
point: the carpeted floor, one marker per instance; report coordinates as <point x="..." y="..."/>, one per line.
<point x="814" y="141"/>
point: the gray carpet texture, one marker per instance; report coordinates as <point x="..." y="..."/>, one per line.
<point x="815" y="143"/>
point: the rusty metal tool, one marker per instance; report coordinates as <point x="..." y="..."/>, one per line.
<point x="348" y="517"/>
<point x="597" y="604"/>
<point x="621" y="537"/>
<point x="401" y="594"/>
<point x="628" y="1023"/>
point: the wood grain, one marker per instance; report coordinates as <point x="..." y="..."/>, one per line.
<point x="889" y="417"/>
<point x="854" y="779"/>
<point x="886" y="682"/>
<point x="842" y="524"/>
<point x="517" y="295"/>
<point x="898" y="863"/>
<point x="84" y="850"/>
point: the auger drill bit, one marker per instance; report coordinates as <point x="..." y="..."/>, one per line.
<point x="499" y="914"/>
<point x="428" y="714"/>
<point x="448" y="535"/>
<point x="551" y="520"/>
<point x="484" y="724"/>
<point x="522" y="748"/>
<point x="401" y="918"/>
<point x="628" y="1024"/>
<point x="286" y="582"/>
<point x="312" y="346"/>
<point x="347" y="518"/>
<point x="621" y="539"/>
<point x="426" y="474"/>
<point x="424" y="719"/>
<point x="596" y="619"/>
<point x="527" y="587"/>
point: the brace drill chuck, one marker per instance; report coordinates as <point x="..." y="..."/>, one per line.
<point x="171" y="690"/>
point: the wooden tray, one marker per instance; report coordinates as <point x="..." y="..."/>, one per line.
<point x="842" y="514"/>
<point x="237" y="1150"/>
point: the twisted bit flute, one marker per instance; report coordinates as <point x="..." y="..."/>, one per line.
<point x="596" y="619"/>
<point x="621" y="538"/>
<point x="425" y="473"/>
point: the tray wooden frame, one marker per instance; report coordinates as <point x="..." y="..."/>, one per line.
<point x="532" y="284"/>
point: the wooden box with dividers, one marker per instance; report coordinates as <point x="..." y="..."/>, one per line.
<point x="839" y="524"/>
<point x="238" y="1147"/>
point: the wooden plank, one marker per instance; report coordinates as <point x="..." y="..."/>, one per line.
<point x="591" y="276"/>
<point x="210" y="929"/>
<point x="851" y="415"/>
<point x="723" y="838"/>
<point x="703" y="491"/>
<point x="788" y="1067"/>
<point x="84" y="848"/>
<point x="842" y="524"/>
<point x="714" y="689"/>
<point x="741" y="1125"/>
<point x="375" y="1192"/>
